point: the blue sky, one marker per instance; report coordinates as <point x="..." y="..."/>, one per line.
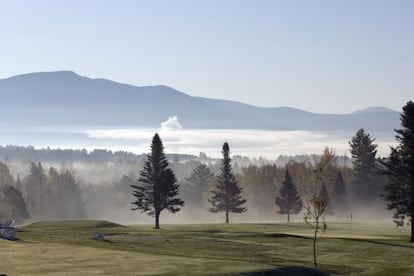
<point x="321" y="56"/>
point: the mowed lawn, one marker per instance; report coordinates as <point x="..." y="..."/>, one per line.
<point x="66" y="248"/>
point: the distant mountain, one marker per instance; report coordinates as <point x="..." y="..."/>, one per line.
<point x="374" y="109"/>
<point x="65" y="99"/>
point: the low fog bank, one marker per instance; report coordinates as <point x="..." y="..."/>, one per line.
<point x="99" y="182"/>
<point x="359" y="213"/>
<point x="253" y="143"/>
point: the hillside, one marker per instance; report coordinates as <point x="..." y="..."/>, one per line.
<point x="66" y="99"/>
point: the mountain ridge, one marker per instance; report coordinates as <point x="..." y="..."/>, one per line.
<point x="66" y="98"/>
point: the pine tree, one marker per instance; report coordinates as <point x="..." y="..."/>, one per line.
<point x="197" y="182"/>
<point x="6" y="179"/>
<point x="200" y="176"/>
<point x="18" y="183"/>
<point x="70" y="196"/>
<point x="399" y="167"/>
<point x="12" y="205"/>
<point x="159" y="187"/>
<point x="34" y="191"/>
<point x="289" y="201"/>
<point x="227" y="196"/>
<point x="340" y="191"/>
<point x="364" y="162"/>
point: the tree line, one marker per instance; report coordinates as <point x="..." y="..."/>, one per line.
<point x="264" y="189"/>
<point x="368" y="172"/>
<point x="40" y="195"/>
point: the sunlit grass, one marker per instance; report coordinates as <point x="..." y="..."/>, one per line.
<point x="66" y="248"/>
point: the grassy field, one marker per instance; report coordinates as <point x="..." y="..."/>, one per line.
<point x="66" y="248"/>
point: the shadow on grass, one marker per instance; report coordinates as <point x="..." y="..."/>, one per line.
<point x="288" y="271"/>
<point x="379" y="242"/>
<point x="281" y="235"/>
<point x="210" y="231"/>
<point x="108" y="224"/>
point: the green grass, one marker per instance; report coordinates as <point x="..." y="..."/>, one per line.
<point x="66" y="248"/>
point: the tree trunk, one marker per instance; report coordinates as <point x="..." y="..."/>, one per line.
<point x="227" y="216"/>
<point x="157" y="220"/>
<point x="288" y="217"/>
<point x="314" y="243"/>
<point x="412" y="229"/>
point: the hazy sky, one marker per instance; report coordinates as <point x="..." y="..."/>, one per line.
<point x="321" y="56"/>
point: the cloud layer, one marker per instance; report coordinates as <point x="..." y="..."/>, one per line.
<point x="253" y="143"/>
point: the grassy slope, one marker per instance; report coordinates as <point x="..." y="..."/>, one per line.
<point x="66" y="248"/>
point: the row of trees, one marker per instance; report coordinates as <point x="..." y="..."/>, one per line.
<point x="56" y="195"/>
<point x="157" y="187"/>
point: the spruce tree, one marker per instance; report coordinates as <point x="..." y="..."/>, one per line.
<point x="364" y="162"/>
<point x="340" y="191"/>
<point x="158" y="188"/>
<point x="198" y="181"/>
<point x="12" y="205"/>
<point x="227" y="196"/>
<point x="399" y="167"/>
<point x="289" y="201"/>
<point x="70" y="196"/>
<point x="34" y="191"/>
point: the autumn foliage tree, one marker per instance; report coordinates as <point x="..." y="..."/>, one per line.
<point x="315" y="211"/>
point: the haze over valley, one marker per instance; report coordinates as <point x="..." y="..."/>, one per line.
<point x="208" y="137"/>
<point x="64" y="110"/>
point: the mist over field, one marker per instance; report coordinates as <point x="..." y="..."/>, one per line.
<point x="106" y="127"/>
<point x="253" y="143"/>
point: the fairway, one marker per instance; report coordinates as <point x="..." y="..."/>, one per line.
<point x="66" y="248"/>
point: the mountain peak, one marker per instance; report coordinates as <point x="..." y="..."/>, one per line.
<point x="64" y="74"/>
<point x="374" y="109"/>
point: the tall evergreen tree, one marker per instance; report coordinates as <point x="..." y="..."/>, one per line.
<point x="198" y="181"/>
<point x="12" y="205"/>
<point x="340" y="191"/>
<point x="364" y="162"/>
<point x="289" y="201"/>
<point x="18" y="183"/>
<point x="227" y="196"/>
<point x="71" y="205"/>
<point x="399" y="167"/>
<point x="159" y="187"/>
<point x="6" y="179"/>
<point x="34" y="191"/>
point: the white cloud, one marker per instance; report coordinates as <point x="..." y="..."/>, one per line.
<point x="171" y="124"/>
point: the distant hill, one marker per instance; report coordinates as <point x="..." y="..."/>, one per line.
<point x="374" y="109"/>
<point x="65" y="99"/>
